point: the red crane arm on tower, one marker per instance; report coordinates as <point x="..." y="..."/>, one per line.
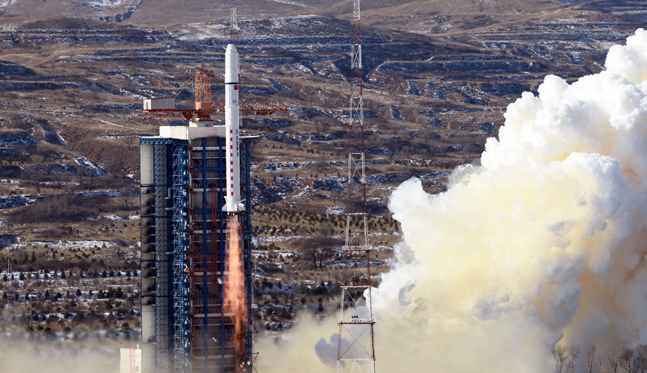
<point x="204" y="107"/>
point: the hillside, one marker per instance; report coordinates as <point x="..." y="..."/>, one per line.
<point x="438" y="77"/>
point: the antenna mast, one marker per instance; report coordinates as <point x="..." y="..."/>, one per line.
<point x="356" y="318"/>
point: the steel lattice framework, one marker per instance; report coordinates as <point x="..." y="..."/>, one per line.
<point x="181" y="245"/>
<point x="356" y="345"/>
<point x="161" y="272"/>
<point x="204" y="107"/>
<point x="246" y="192"/>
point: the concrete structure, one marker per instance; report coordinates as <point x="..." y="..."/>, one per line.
<point x="186" y="327"/>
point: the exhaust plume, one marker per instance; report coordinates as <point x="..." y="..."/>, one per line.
<point x="235" y="287"/>
<point x="19" y="355"/>
<point x="542" y="244"/>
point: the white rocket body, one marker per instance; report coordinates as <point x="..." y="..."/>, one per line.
<point x="232" y="128"/>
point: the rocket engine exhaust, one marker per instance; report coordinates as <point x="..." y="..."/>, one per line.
<point x="543" y="244"/>
<point x="235" y="287"/>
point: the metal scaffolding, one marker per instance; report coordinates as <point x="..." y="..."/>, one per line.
<point x="162" y="262"/>
<point x="183" y="251"/>
<point x="246" y="195"/>
<point x="155" y="248"/>
<point x="181" y="245"/>
<point x="207" y="227"/>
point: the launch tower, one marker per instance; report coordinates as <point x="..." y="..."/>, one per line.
<point x="185" y="322"/>
<point x="192" y="178"/>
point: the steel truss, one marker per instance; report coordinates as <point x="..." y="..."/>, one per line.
<point x="246" y="194"/>
<point x="206" y="221"/>
<point x="172" y="242"/>
<point x="181" y="245"/>
<point x="356" y="343"/>
<point x="155" y="244"/>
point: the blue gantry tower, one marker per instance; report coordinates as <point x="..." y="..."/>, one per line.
<point x="186" y="326"/>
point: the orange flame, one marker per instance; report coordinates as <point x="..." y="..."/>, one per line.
<point x="235" y="287"/>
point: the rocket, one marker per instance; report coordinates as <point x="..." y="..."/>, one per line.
<point x="233" y="203"/>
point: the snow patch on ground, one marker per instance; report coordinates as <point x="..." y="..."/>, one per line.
<point x="379" y="151"/>
<point x="264" y="253"/>
<point x="262" y="240"/>
<point x="114" y="217"/>
<point x="395" y="113"/>
<point x="287" y="3"/>
<point x="284" y="166"/>
<point x="10" y="184"/>
<point x="107" y="4"/>
<point x="126" y="93"/>
<point x="54" y="138"/>
<point x="13" y="201"/>
<point x="109" y="193"/>
<point x="338" y="264"/>
<point x="329" y="183"/>
<point x="307" y="190"/>
<point x="382" y="179"/>
<point x="61" y="244"/>
<point x="335" y="210"/>
<point x="6" y="3"/>
<point x="13" y="138"/>
<point x="84" y="162"/>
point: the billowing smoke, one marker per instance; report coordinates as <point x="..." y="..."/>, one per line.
<point x="544" y="243"/>
<point x="18" y="355"/>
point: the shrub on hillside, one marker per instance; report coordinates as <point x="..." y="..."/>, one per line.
<point x="59" y="207"/>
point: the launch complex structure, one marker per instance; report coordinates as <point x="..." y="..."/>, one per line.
<point x="197" y="307"/>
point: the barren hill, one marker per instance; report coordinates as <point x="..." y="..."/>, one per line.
<point x="401" y="14"/>
<point x="438" y="77"/>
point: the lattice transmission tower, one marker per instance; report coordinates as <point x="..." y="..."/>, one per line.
<point x="356" y="343"/>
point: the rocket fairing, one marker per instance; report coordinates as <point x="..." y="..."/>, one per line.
<point x="232" y="128"/>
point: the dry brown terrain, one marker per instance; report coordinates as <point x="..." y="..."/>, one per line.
<point x="438" y="77"/>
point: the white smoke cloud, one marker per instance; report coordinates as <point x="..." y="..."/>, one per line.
<point x="29" y="356"/>
<point x="545" y="242"/>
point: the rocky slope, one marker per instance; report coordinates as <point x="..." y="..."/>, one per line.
<point x="438" y="77"/>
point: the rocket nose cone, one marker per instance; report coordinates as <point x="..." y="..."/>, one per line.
<point x="231" y="49"/>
